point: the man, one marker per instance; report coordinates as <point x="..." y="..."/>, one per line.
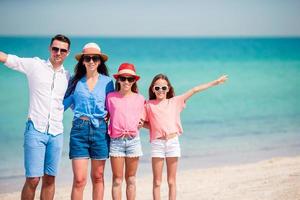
<point x="43" y="138"/>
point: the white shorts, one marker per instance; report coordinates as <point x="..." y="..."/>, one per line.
<point x="165" y="148"/>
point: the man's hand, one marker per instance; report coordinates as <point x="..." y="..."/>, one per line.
<point x="3" y="57"/>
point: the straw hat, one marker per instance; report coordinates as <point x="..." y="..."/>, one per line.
<point x="91" y="49"/>
<point x="126" y="69"/>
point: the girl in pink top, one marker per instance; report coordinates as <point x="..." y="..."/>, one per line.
<point x="163" y="119"/>
<point x="125" y="107"/>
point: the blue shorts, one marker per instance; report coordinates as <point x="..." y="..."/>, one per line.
<point x="42" y="152"/>
<point x="126" y="147"/>
<point x="86" y="141"/>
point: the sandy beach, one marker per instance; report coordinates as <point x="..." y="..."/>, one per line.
<point x="274" y="179"/>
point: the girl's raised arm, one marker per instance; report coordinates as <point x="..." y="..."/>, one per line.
<point x="204" y="86"/>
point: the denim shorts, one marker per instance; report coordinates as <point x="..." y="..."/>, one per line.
<point x="126" y="147"/>
<point x="42" y="152"/>
<point x="165" y="148"/>
<point x="86" y="141"/>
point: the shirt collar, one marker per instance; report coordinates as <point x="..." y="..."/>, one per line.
<point x="61" y="68"/>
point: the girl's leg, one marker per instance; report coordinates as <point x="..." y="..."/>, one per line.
<point x="97" y="176"/>
<point x="171" y="172"/>
<point x="157" y="167"/>
<point x="80" y="167"/>
<point x="117" y="167"/>
<point x="131" y="165"/>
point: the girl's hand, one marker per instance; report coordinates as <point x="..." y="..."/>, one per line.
<point x="204" y="86"/>
<point x="141" y="124"/>
<point x="222" y="79"/>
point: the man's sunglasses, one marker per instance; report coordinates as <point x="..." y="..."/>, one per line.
<point x="56" y="50"/>
<point x="89" y="58"/>
<point x="130" y="79"/>
<point x="163" y="88"/>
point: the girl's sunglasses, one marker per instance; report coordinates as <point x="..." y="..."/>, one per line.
<point x="89" y="58"/>
<point x="130" y="79"/>
<point x="163" y="88"/>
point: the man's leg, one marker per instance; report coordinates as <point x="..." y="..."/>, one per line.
<point x="48" y="187"/>
<point x="52" y="158"/>
<point x="29" y="188"/>
<point x="34" y="153"/>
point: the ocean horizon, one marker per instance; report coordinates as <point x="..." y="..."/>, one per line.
<point x="254" y="116"/>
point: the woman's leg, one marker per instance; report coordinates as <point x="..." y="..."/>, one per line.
<point x="171" y="172"/>
<point x="97" y="176"/>
<point x="131" y="165"/>
<point x="80" y="167"/>
<point x="117" y="167"/>
<point x="157" y="167"/>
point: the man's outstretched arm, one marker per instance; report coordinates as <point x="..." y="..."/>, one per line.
<point x="3" y="57"/>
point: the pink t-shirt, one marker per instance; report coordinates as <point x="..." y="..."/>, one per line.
<point x="164" y="116"/>
<point x="125" y="113"/>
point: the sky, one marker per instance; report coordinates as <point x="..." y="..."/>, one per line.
<point x="154" y="18"/>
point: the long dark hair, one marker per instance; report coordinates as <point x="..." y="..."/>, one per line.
<point x="171" y="92"/>
<point x="134" y="87"/>
<point x="80" y="71"/>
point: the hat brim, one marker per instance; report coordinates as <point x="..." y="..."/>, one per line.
<point x="116" y="76"/>
<point x="103" y="56"/>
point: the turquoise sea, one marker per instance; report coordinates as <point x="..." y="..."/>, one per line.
<point x="254" y="116"/>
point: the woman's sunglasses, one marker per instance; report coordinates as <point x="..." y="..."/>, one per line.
<point x="56" y="50"/>
<point x="130" y="79"/>
<point x="163" y="88"/>
<point x="89" y="58"/>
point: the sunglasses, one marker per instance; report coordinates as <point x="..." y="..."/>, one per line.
<point x="56" y="50"/>
<point x="130" y="79"/>
<point x="163" y="88"/>
<point x="89" y="58"/>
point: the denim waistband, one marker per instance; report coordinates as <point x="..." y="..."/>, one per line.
<point x="88" y="119"/>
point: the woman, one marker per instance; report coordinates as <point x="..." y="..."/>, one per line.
<point x="88" y="138"/>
